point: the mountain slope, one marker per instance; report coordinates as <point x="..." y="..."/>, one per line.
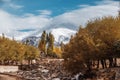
<point x="60" y="34"/>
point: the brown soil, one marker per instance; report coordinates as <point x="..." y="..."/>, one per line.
<point x="7" y="77"/>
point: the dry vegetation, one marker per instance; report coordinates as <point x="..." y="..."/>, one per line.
<point x="13" y="52"/>
<point x="97" y="42"/>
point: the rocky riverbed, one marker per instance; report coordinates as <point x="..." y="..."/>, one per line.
<point x="52" y="69"/>
<point x="49" y="69"/>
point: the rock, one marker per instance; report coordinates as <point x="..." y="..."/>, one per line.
<point x="56" y="79"/>
<point x="44" y="71"/>
<point x="33" y="71"/>
<point x="49" y="69"/>
<point x="19" y="73"/>
<point x="53" y="75"/>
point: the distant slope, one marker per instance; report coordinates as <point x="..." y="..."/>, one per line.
<point x="60" y="34"/>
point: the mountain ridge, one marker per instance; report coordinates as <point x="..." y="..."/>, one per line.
<point x="60" y="35"/>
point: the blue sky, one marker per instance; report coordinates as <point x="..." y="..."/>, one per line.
<point x="22" y="18"/>
<point x="57" y="7"/>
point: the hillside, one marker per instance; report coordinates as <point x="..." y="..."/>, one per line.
<point x="60" y="35"/>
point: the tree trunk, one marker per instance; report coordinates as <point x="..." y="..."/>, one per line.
<point x="105" y="63"/>
<point x="110" y="62"/>
<point x="93" y="63"/>
<point x="98" y="64"/>
<point x="28" y="62"/>
<point x="115" y="62"/>
<point x="102" y="63"/>
<point x="89" y="64"/>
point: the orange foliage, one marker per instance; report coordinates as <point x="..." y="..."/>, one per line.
<point x="57" y="51"/>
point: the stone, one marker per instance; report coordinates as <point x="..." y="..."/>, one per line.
<point x="56" y="79"/>
<point x="53" y="75"/>
<point x="44" y="71"/>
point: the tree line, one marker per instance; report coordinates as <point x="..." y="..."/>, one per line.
<point x="94" y="45"/>
<point x="13" y="52"/>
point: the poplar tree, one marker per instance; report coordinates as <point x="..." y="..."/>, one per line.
<point x="42" y="42"/>
<point x="50" y="46"/>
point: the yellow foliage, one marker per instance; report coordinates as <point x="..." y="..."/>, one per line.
<point x="11" y="50"/>
<point x="94" y="42"/>
<point x="57" y="51"/>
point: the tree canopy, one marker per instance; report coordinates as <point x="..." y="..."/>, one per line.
<point x="12" y="51"/>
<point x="98" y="41"/>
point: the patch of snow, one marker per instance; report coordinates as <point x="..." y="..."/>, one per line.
<point x="60" y="35"/>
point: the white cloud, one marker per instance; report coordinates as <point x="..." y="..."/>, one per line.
<point x="83" y="5"/>
<point x="10" y="4"/>
<point x="9" y="23"/>
<point x="14" y="6"/>
<point x="82" y="15"/>
<point x="45" y="12"/>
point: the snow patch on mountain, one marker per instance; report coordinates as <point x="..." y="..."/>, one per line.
<point x="60" y="35"/>
<point x="31" y="40"/>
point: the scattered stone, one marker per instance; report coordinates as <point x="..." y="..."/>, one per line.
<point x="53" y="75"/>
<point x="48" y="69"/>
<point x="56" y="79"/>
<point x="53" y="70"/>
<point x="44" y="71"/>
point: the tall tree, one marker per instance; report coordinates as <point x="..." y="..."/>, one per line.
<point x="42" y="42"/>
<point x="50" y="46"/>
<point x="62" y="46"/>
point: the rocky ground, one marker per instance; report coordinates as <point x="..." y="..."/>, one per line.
<point x="52" y="69"/>
<point x="48" y="69"/>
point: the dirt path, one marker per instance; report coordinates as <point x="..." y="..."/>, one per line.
<point x="7" y="77"/>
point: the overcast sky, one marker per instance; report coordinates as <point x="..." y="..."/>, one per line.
<point x="21" y="17"/>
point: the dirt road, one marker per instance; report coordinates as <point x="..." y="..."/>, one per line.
<point x="7" y="77"/>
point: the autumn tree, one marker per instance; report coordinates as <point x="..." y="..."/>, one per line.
<point x="98" y="41"/>
<point x="13" y="52"/>
<point x="62" y="46"/>
<point x="50" y="45"/>
<point x="107" y="30"/>
<point x="57" y="51"/>
<point x="31" y="53"/>
<point x="80" y="50"/>
<point x="42" y="42"/>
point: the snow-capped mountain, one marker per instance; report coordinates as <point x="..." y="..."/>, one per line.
<point x="60" y="35"/>
<point x="31" y="40"/>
